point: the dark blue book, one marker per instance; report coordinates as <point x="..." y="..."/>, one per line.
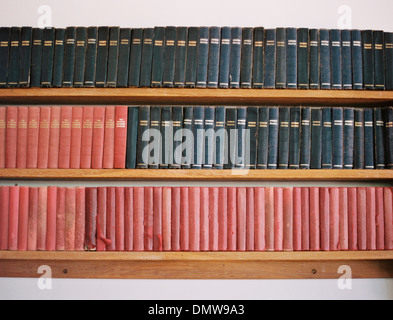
<point x="5" y="34"/>
<point x="292" y="67"/>
<point x="80" y="57"/>
<point x="379" y="60"/>
<point x="246" y="61"/>
<point x="349" y="135"/>
<point x="177" y="118"/>
<point x="188" y="138"/>
<point x="169" y="57"/>
<point x="346" y="52"/>
<point x="47" y="58"/>
<point x="252" y="138"/>
<point x="102" y="57"/>
<point x="316" y="138"/>
<point x="236" y="56"/>
<point x="69" y="57"/>
<point x="214" y="57"/>
<point x="273" y="137"/>
<point x="338" y="138"/>
<point x="379" y="124"/>
<point x="225" y="57"/>
<point x="36" y="59"/>
<point x="336" y="59"/>
<point x="389" y="137"/>
<point x="258" y="71"/>
<point x="231" y="144"/>
<point x="91" y="57"/>
<point x="209" y="145"/>
<point x="241" y="158"/>
<point x="113" y="57"/>
<point x="143" y="151"/>
<point x="58" y="58"/>
<point x="198" y="132"/>
<point x="134" y="75"/>
<point x="369" y="156"/>
<point x="132" y="136"/>
<point x="147" y="58"/>
<point x="220" y="142"/>
<point x="368" y="59"/>
<point x="305" y="139"/>
<point x="155" y="142"/>
<point x="263" y="138"/>
<point x="303" y="53"/>
<point x="325" y="59"/>
<point x="166" y="137"/>
<point x="202" y="57"/>
<point x="327" y="138"/>
<point x="181" y="55"/>
<point x="158" y="57"/>
<point x="281" y="60"/>
<point x="124" y="58"/>
<point x="357" y="59"/>
<point x="192" y="55"/>
<point x="358" y="161"/>
<point x="315" y="69"/>
<point x="270" y="59"/>
<point x="283" y="138"/>
<point x="13" y="65"/>
<point x="25" y="56"/>
<point x="388" y="38"/>
<point x="294" y="138"/>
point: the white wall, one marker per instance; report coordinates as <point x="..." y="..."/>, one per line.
<point x="360" y="14"/>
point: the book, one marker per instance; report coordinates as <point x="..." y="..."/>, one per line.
<point x="343" y="219"/>
<point x="91" y="218"/>
<point x="292" y="67"/>
<point x="113" y="57"/>
<point x="388" y="219"/>
<point x="225" y="57"/>
<point x="236" y="54"/>
<point x="379" y="60"/>
<point x="305" y="219"/>
<point x="54" y="138"/>
<point x="23" y="219"/>
<point x="33" y="131"/>
<point x="368" y="59"/>
<point x="346" y="55"/>
<point x="138" y="219"/>
<point x="87" y="137"/>
<point x="158" y="57"/>
<point x="157" y="219"/>
<point x="198" y="132"/>
<point x="315" y="220"/>
<point x="269" y="213"/>
<point x="25" y="57"/>
<point x="102" y="218"/>
<point x="13" y="63"/>
<point x="155" y="139"/>
<point x="214" y="57"/>
<point x="80" y="56"/>
<point x="76" y="137"/>
<point x="135" y="58"/>
<point x="97" y="148"/>
<point x="111" y="219"/>
<point x="278" y="219"/>
<point x="325" y="59"/>
<point x="388" y="137"/>
<point x="297" y="220"/>
<point x="222" y="219"/>
<point x="43" y="139"/>
<point x="241" y="222"/>
<point x="232" y="219"/>
<point x="188" y="138"/>
<point x="36" y="58"/>
<point x="184" y="219"/>
<point x="169" y="57"/>
<point x="259" y="219"/>
<point x="338" y="138"/>
<point x="247" y="58"/>
<point x="231" y="122"/>
<point x="369" y="139"/>
<point x="294" y="138"/>
<point x="58" y="57"/>
<point x="13" y="219"/>
<point x="51" y="218"/>
<point x="315" y="71"/>
<point x="102" y="57"/>
<point x="121" y="115"/>
<point x="359" y="143"/>
<point x="281" y="59"/>
<point x="241" y="158"/>
<point x="371" y="227"/>
<point x="21" y="153"/>
<point x="91" y="57"/>
<point x="379" y="125"/>
<point x="167" y="219"/>
<point x="220" y="136"/>
<point x="263" y="138"/>
<point x="380" y="218"/>
<point x="80" y="222"/>
<point x="3" y="128"/>
<point x="70" y="219"/>
<point x="362" y="218"/>
<point x="69" y="57"/>
<point x="336" y="59"/>
<point x="120" y="222"/>
<point x="334" y="219"/>
<point x="202" y="57"/>
<point x="195" y="218"/>
<point x="33" y="222"/>
<point x="176" y="217"/>
<point x="180" y="57"/>
<point x="124" y="57"/>
<point x="327" y="137"/>
<point x="166" y="137"/>
<point x="258" y="58"/>
<point x="208" y="152"/>
<point x="273" y="137"/>
<point x="109" y="138"/>
<point x="129" y="219"/>
<point x="192" y="52"/>
<point x="349" y="134"/>
<point x="303" y="54"/>
<point x="177" y="123"/>
<point x="4" y="216"/>
<point x="11" y="137"/>
<point x="357" y="59"/>
<point x="316" y="139"/>
<point x="143" y="138"/>
<point x="283" y="134"/>
<point x="149" y="219"/>
<point x="388" y="47"/>
<point x="288" y="219"/>
<point x="42" y="217"/>
<point x="132" y="137"/>
<point x="65" y="138"/>
<point x="5" y="34"/>
<point x="251" y="137"/>
<point x="60" y="215"/>
<point x="352" y="219"/>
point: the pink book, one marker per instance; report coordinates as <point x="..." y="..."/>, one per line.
<point x="76" y="137"/>
<point x="305" y="195"/>
<point x="184" y="220"/>
<point x="175" y="219"/>
<point x="195" y="218"/>
<point x="98" y="138"/>
<point x="380" y="218"/>
<point x="70" y="215"/>
<point x="4" y="214"/>
<point x="371" y="228"/>
<point x="60" y="219"/>
<point x="109" y="142"/>
<point x="51" y="219"/>
<point x="80" y="218"/>
<point x="23" y="119"/>
<point x="223" y="219"/>
<point x="138" y="219"/>
<point x="278" y="219"/>
<point x="43" y="139"/>
<point x="65" y="138"/>
<point x="120" y="137"/>
<point x="33" y="220"/>
<point x="119" y="219"/>
<point x="11" y="140"/>
<point x="325" y="218"/>
<point x="128" y="219"/>
<point x="250" y="221"/>
<point x="232" y="219"/>
<point x="388" y="195"/>
<point x="362" y="218"/>
<point x="42" y="218"/>
<point x="297" y="219"/>
<point x="23" y="221"/>
<point x="260" y="242"/>
<point x="33" y="129"/>
<point x="343" y="213"/>
<point x="3" y="126"/>
<point x="149" y="219"/>
<point x="241" y="219"/>
<point x="213" y="218"/>
<point x="54" y="138"/>
<point x="288" y="219"/>
<point x="166" y="218"/>
<point x="157" y="219"/>
<point x="87" y="137"/>
<point x="334" y="219"/>
<point x="111" y="219"/>
<point x="315" y="233"/>
<point x="352" y="219"/>
<point x="269" y="212"/>
<point x="101" y="218"/>
<point x="204" y="219"/>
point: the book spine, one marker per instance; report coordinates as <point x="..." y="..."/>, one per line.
<point x="202" y="57"/>
<point x="258" y="71"/>
<point x="5" y="34"/>
<point x="23" y="219"/>
<point x="389" y="137"/>
<point x="352" y="219"/>
<point x="132" y="137"/>
<point x="246" y="59"/>
<point x="338" y="138"/>
<point x="169" y="57"/>
<point x="33" y="222"/>
<point x="97" y="150"/>
<point x="80" y="220"/>
<point x="155" y="152"/>
<point x="157" y="219"/>
<point x="241" y="223"/>
<point x="11" y="137"/>
<point x="198" y="132"/>
<point x="316" y="139"/>
<point x="58" y="58"/>
<point x="143" y="138"/>
<point x="91" y="57"/>
<point x="259" y="219"/>
<point x="349" y="133"/>
<point x="166" y="219"/>
<point x="42" y="218"/>
<point x="240" y="154"/>
<point x="214" y="57"/>
<point x="13" y="64"/>
<point x="177" y="124"/>
<point x="195" y="219"/>
<point x="281" y="66"/>
<point x="346" y="51"/>
<point x="33" y="130"/>
<point x="269" y="212"/>
<point x="225" y="57"/>
<point x="371" y="227"/>
<point x="325" y="59"/>
<point x="119" y="191"/>
<point x="54" y="138"/>
<point x="388" y="46"/>
<point x="263" y="138"/>
<point x="222" y="219"/>
<point x="134" y="75"/>
<point x="236" y="55"/>
<point x="109" y="138"/>
<point x="166" y="137"/>
<point x="343" y="217"/>
<point x="315" y="70"/>
<point x="111" y="219"/>
<point x="232" y="219"/>
<point x="303" y="55"/>
<point x="232" y="138"/>
<point x="369" y="155"/>
<point x="380" y="218"/>
<point x="69" y="57"/>
<point x="388" y="218"/>
<point x="379" y="124"/>
<point x="60" y="215"/>
<point x="214" y="220"/>
<point x="305" y="218"/>
<point x="283" y="136"/>
<point x="357" y="59"/>
<point x="220" y="134"/>
<point x="80" y="56"/>
<point x="251" y="138"/>
<point x="192" y="53"/>
<point x="43" y="140"/>
<point x="250" y="219"/>
<point x="102" y="57"/>
<point x="4" y="216"/>
<point x="294" y="138"/>
<point x="129" y="219"/>
<point x="51" y="219"/>
<point x="273" y="137"/>
<point x="292" y="67"/>
<point x="334" y="219"/>
<point x="121" y="116"/>
<point x="278" y="219"/>
<point x="208" y="156"/>
<point x="158" y="57"/>
<point x="336" y="59"/>
<point x="184" y="220"/>
<point x="13" y="219"/>
<point x="148" y="218"/>
<point x="176" y="218"/>
<point x="368" y="59"/>
<point x="124" y="57"/>
<point x="91" y="218"/>
<point x="25" y="56"/>
<point x="379" y="60"/>
<point x="180" y="57"/>
<point x="188" y="145"/>
<point x="288" y="219"/>
<point x="65" y="138"/>
<point x="270" y="58"/>
<point x="359" y="141"/>
<point x="327" y="137"/>
<point x="3" y="128"/>
<point x="315" y="229"/>
<point x="362" y="218"/>
<point x="101" y="218"/>
<point x="21" y="153"/>
<point x="113" y="57"/>
<point x="36" y="58"/>
<point x="87" y="137"/>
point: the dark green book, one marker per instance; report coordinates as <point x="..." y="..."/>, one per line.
<point x="188" y="138"/>
<point x="231" y="144"/>
<point x="303" y="53"/>
<point x="214" y="57"/>
<point x="379" y="60"/>
<point x="246" y="60"/>
<point x="273" y="137"/>
<point x="346" y="51"/>
<point x="169" y="57"/>
<point x="349" y="130"/>
<point x="158" y="57"/>
<point x="236" y="55"/>
<point x="336" y="59"/>
<point x="294" y="138"/>
<point x="91" y="57"/>
<point x="198" y="132"/>
<point x="143" y="151"/>
<point x="241" y="157"/>
<point x="36" y="59"/>
<point x="80" y="57"/>
<point x="202" y="57"/>
<point x="180" y="57"/>
<point x="358" y="160"/>
<point x="124" y="57"/>
<point x="316" y="138"/>
<point x="368" y="59"/>
<point x="134" y="75"/>
<point x="283" y="137"/>
<point x="338" y="138"/>
<point x="155" y="144"/>
<point x="5" y="34"/>
<point x="147" y="57"/>
<point x="25" y="56"/>
<point x="327" y="138"/>
<point x="258" y="58"/>
<point x="263" y="138"/>
<point x="251" y="138"/>
<point x="220" y="133"/>
<point x="132" y="136"/>
<point x="270" y="59"/>
<point x="357" y="59"/>
<point x="225" y="57"/>
<point x="281" y="66"/>
<point x="13" y="66"/>
<point x="47" y="58"/>
<point x="379" y="125"/>
<point x="177" y="118"/>
<point x="209" y="146"/>
<point x="292" y="68"/>
<point x="389" y="137"/>
<point x="192" y="54"/>
<point x="305" y="139"/>
<point x="69" y="57"/>
<point x="369" y="156"/>
<point x="325" y="59"/>
<point x="102" y="57"/>
<point x="113" y="57"/>
<point x="58" y="59"/>
<point x="388" y="39"/>
<point x="315" y="70"/>
<point x="167" y="137"/>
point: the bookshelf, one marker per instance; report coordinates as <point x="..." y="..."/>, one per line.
<point x="203" y="265"/>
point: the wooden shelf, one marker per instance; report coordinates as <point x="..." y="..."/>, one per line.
<point x="162" y="96"/>
<point x="209" y="265"/>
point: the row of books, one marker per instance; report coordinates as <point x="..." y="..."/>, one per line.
<point x="196" y="219"/>
<point x="203" y="57"/>
<point x="196" y="137"/>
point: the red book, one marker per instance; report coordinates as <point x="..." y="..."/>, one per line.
<point x="157" y="219"/>
<point x="23" y="220"/>
<point x="388" y="197"/>
<point x="176" y="213"/>
<point x="21" y="153"/>
<point x="232" y="219"/>
<point x="80" y="219"/>
<point x="13" y="219"/>
<point x="223" y="219"/>
<point x="250" y="221"/>
<point x="213" y="217"/>
<point x="43" y="139"/>
<point x="129" y="219"/>
<point x="278" y="219"/>
<point x="51" y="219"/>
<point x="4" y="214"/>
<point x="65" y="138"/>
<point x="260" y="241"/>
<point x="87" y="137"/>
<point x="91" y="219"/>
<point x="315" y="233"/>
<point x="138" y="218"/>
<point x="33" y="220"/>
<point x="297" y="219"/>
<point x="352" y="219"/>
<point x="195" y="218"/>
<point x="149" y="219"/>
<point x="109" y="142"/>
<point x="70" y="215"/>
<point x="362" y="218"/>
<point x="119" y="219"/>
<point x="54" y="138"/>
<point x="60" y="219"/>
<point x="204" y="246"/>
<point x="3" y="126"/>
<point x="184" y="220"/>
<point x="269" y="211"/>
<point x="371" y="217"/>
<point x="343" y="213"/>
<point x="166" y="218"/>
<point x="42" y="218"/>
<point x="33" y="130"/>
<point x="111" y="219"/>
<point x="76" y="137"/>
<point x="101" y="218"/>
<point x="288" y="219"/>
<point x="11" y="140"/>
<point x="380" y="218"/>
<point x="305" y="194"/>
<point x="120" y="137"/>
<point x="325" y="218"/>
<point x="241" y="219"/>
<point x="98" y="138"/>
<point x="334" y="219"/>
